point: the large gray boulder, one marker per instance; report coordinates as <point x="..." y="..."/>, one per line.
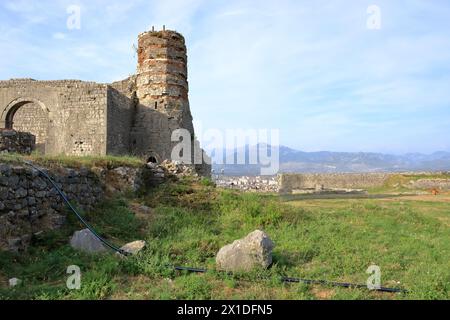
<point x="252" y="252"/>
<point x="85" y="240"/>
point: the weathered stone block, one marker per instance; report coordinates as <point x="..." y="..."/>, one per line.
<point x="85" y="240"/>
<point x="253" y="251"/>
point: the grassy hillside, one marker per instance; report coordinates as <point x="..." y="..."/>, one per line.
<point x="74" y="162"/>
<point x="335" y="240"/>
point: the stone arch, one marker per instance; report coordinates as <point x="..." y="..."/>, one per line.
<point x="28" y="115"/>
<point x="153" y="157"/>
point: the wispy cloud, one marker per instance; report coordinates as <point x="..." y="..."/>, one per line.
<point x="59" y="36"/>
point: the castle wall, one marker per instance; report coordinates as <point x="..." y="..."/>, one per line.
<point x="290" y="182"/>
<point x="152" y="134"/>
<point x="120" y="117"/>
<point x="76" y="113"/>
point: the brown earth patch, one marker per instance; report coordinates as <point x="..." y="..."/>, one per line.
<point x="323" y="294"/>
<point x="424" y="197"/>
<point x="3" y="281"/>
<point x="142" y="211"/>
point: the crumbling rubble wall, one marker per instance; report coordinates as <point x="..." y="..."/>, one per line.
<point x="29" y="204"/>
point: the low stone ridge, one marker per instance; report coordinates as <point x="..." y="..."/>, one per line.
<point x="173" y="170"/>
<point x="261" y="184"/>
<point x="12" y="141"/>
<point x="252" y="252"/>
<point x="179" y="169"/>
<point x="84" y="240"/>
<point x="122" y="179"/>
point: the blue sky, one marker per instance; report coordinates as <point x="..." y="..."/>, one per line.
<point x="309" y="68"/>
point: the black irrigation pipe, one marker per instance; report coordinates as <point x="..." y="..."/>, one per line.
<point x="199" y="270"/>
<point x="79" y="216"/>
<point x="308" y="281"/>
<point x="341" y="284"/>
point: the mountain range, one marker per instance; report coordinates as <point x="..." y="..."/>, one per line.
<point x="295" y="161"/>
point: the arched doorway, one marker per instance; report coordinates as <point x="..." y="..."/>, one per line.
<point x="29" y="115"/>
<point x="153" y="157"/>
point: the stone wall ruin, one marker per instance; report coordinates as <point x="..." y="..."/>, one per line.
<point x="136" y="116"/>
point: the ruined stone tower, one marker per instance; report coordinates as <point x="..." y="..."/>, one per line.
<point x="162" y="91"/>
<point x="162" y="75"/>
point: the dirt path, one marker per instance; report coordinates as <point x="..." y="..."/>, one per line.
<point x="429" y="198"/>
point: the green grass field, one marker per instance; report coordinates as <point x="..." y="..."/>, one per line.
<point x="74" y="162"/>
<point x="336" y="240"/>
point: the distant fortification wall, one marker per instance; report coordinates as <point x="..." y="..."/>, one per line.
<point x="415" y="180"/>
<point x="289" y="182"/>
<point x="442" y="184"/>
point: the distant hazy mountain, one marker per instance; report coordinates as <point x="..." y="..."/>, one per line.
<point x="328" y="162"/>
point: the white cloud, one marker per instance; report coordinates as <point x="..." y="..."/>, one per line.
<point x="59" y="36"/>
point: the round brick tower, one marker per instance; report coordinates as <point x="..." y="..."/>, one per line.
<point x="161" y="92"/>
<point x="161" y="79"/>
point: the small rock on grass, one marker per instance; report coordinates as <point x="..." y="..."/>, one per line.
<point x="133" y="248"/>
<point x="14" y="282"/>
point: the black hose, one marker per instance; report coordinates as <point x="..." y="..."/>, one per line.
<point x="84" y="222"/>
<point x="341" y="284"/>
<point x="307" y="281"/>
